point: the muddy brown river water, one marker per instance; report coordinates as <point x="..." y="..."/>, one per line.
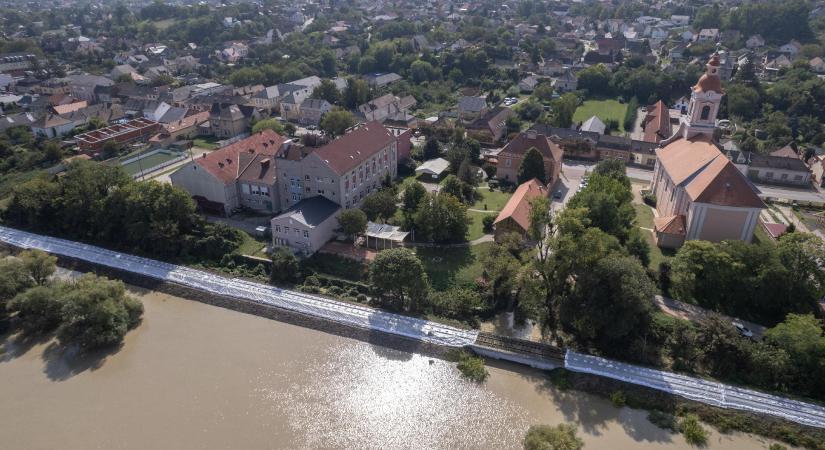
<point x="193" y="376"/>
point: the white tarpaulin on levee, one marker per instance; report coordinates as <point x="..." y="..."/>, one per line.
<point x="708" y="392"/>
<point x="311" y="305"/>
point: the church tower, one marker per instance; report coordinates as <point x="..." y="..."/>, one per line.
<point x="705" y="98"/>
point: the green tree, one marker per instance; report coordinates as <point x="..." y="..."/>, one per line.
<point x="532" y="166"/>
<point x="563" y="109"/>
<point x="441" y="218"/>
<point x="431" y="148"/>
<point x="596" y="80"/>
<point x="743" y="101"/>
<point x="327" y="91"/>
<point x="284" y="266"/>
<point x="397" y="273"/>
<point x="97" y="312"/>
<point x="379" y="205"/>
<point x="268" y="124"/>
<point x="353" y="221"/>
<point x="14" y="278"/>
<point x="39" y="309"/>
<point x="608" y="204"/>
<point x="545" y="437"/>
<point x="337" y="121"/>
<point x="611" y="304"/>
<point x="702" y="272"/>
<point x="356" y="93"/>
<point x="39" y="265"/>
<point x="410" y="199"/>
<point x="422" y="71"/>
<point x="801" y="337"/>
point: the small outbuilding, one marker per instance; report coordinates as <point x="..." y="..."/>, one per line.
<point x="435" y="168"/>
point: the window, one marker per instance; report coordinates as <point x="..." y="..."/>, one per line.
<point x="264" y="190"/>
<point x="784" y="176"/>
<point x="321" y="191"/>
<point x="306" y="177"/>
<point x="297" y="232"/>
<point x="245" y="188"/>
<point x="507" y="162"/>
<point x="306" y="234"/>
<point x="256" y="189"/>
<point x="286" y="229"/>
<point x="705" y="112"/>
<point x="308" y="189"/>
<point x="769" y="175"/>
<point x="797" y="177"/>
<point x="277" y="228"/>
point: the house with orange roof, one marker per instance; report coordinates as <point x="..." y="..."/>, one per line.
<point x="515" y="217"/>
<point x="656" y="123"/>
<point x="510" y="157"/>
<point x="240" y="174"/>
<point x="700" y="194"/>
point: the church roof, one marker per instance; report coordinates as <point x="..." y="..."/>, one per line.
<point x="709" y="82"/>
<point x="706" y="174"/>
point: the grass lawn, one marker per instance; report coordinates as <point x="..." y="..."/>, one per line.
<point x="207" y="143"/>
<point x="456" y="267"/>
<point x="491" y="200"/>
<point x="644" y="216"/>
<point x="252" y="246"/>
<point x="603" y="109"/>
<point x="475" y="230"/>
<point x="644" y="219"/>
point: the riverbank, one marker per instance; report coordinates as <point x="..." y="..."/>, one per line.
<point x="193" y="376"/>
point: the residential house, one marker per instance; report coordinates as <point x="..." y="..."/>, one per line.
<point x="242" y="174"/>
<point x="792" y="48"/>
<point x="515" y="216"/>
<point x="656" y="124"/>
<point x="312" y="109"/>
<point x="469" y="107"/>
<point x="510" y="157"/>
<point x="380" y="79"/>
<point x="229" y="120"/>
<point x="385" y="107"/>
<point x="491" y="126"/>
<point x="708" y="35"/>
<point x="306" y="226"/>
<point x="784" y="170"/>
<point x="267" y="98"/>
<point x="529" y="83"/>
<point x="51" y="126"/>
<point x="755" y="42"/>
<point x="817" y="65"/>
<point x="567" y="82"/>
<point x="699" y="193"/>
<point x="184" y="128"/>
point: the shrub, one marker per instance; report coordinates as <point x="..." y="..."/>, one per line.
<point x="663" y="420"/>
<point x="335" y="291"/>
<point x="650" y="199"/>
<point x="777" y="447"/>
<point x="618" y="398"/>
<point x="544" y="437"/>
<point x="361" y="298"/>
<point x="693" y="431"/>
<point x="470" y="366"/>
<point x="312" y="280"/>
<point x="487" y="222"/>
<point x="284" y="265"/>
<point x="560" y="379"/>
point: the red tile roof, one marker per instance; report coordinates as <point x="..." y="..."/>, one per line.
<point x="657" y="123"/>
<point x="355" y="147"/>
<point x="518" y="207"/>
<point x="710" y="82"/>
<point x="524" y="141"/>
<point x="670" y="224"/>
<point x="707" y="175"/>
<point x="227" y="163"/>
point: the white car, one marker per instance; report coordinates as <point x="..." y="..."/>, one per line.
<point x="743" y="330"/>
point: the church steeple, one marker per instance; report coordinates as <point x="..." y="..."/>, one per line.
<point x="705" y="98"/>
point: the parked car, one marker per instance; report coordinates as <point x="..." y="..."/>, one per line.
<point x="743" y="330"/>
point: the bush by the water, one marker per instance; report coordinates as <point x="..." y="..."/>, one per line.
<point x="619" y="399"/>
<point x="663" y="420"/>
<point x="470" y="366"/>
<point x="544" y="437"/>
<point x="693" y="431"/>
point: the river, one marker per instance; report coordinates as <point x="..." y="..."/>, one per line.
<point x="193" y="376"/>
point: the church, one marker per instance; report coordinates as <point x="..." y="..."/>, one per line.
<point x="699" y="193"/>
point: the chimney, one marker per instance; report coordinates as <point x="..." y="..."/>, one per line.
<point x="265" y="164"/>
<point x="203" y="155"/>
<point x="220" y="164"/>
<point x="228" y="161"/>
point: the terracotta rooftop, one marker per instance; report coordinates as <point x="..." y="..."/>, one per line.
<point x="710" y="82"/>
<point x="355" y="147"/>
<point x="785" y="152"/>
<point x="670" y="224"/>
<point x="524" y="141"/>
<point x="227" y="164"/>
<point x="657" y="123"/>
<point x="707" y="175"/>
<point x="518" y="207"/>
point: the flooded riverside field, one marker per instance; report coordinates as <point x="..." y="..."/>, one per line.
<point x="194" y="376"/>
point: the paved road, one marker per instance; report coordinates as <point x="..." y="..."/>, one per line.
<point x="571" y="168"/>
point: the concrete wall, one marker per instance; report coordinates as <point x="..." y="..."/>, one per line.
<point x="259" y="202"/>
<point x="717" y="223"/>
<point x="198" y="182"/>
<point x="779" y="176"/>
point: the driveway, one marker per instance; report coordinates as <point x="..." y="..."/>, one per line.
<point x="242" y="222"/>
<point x="693" y="313"/>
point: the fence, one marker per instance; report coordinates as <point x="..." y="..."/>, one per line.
<point x="704" y="391"/>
